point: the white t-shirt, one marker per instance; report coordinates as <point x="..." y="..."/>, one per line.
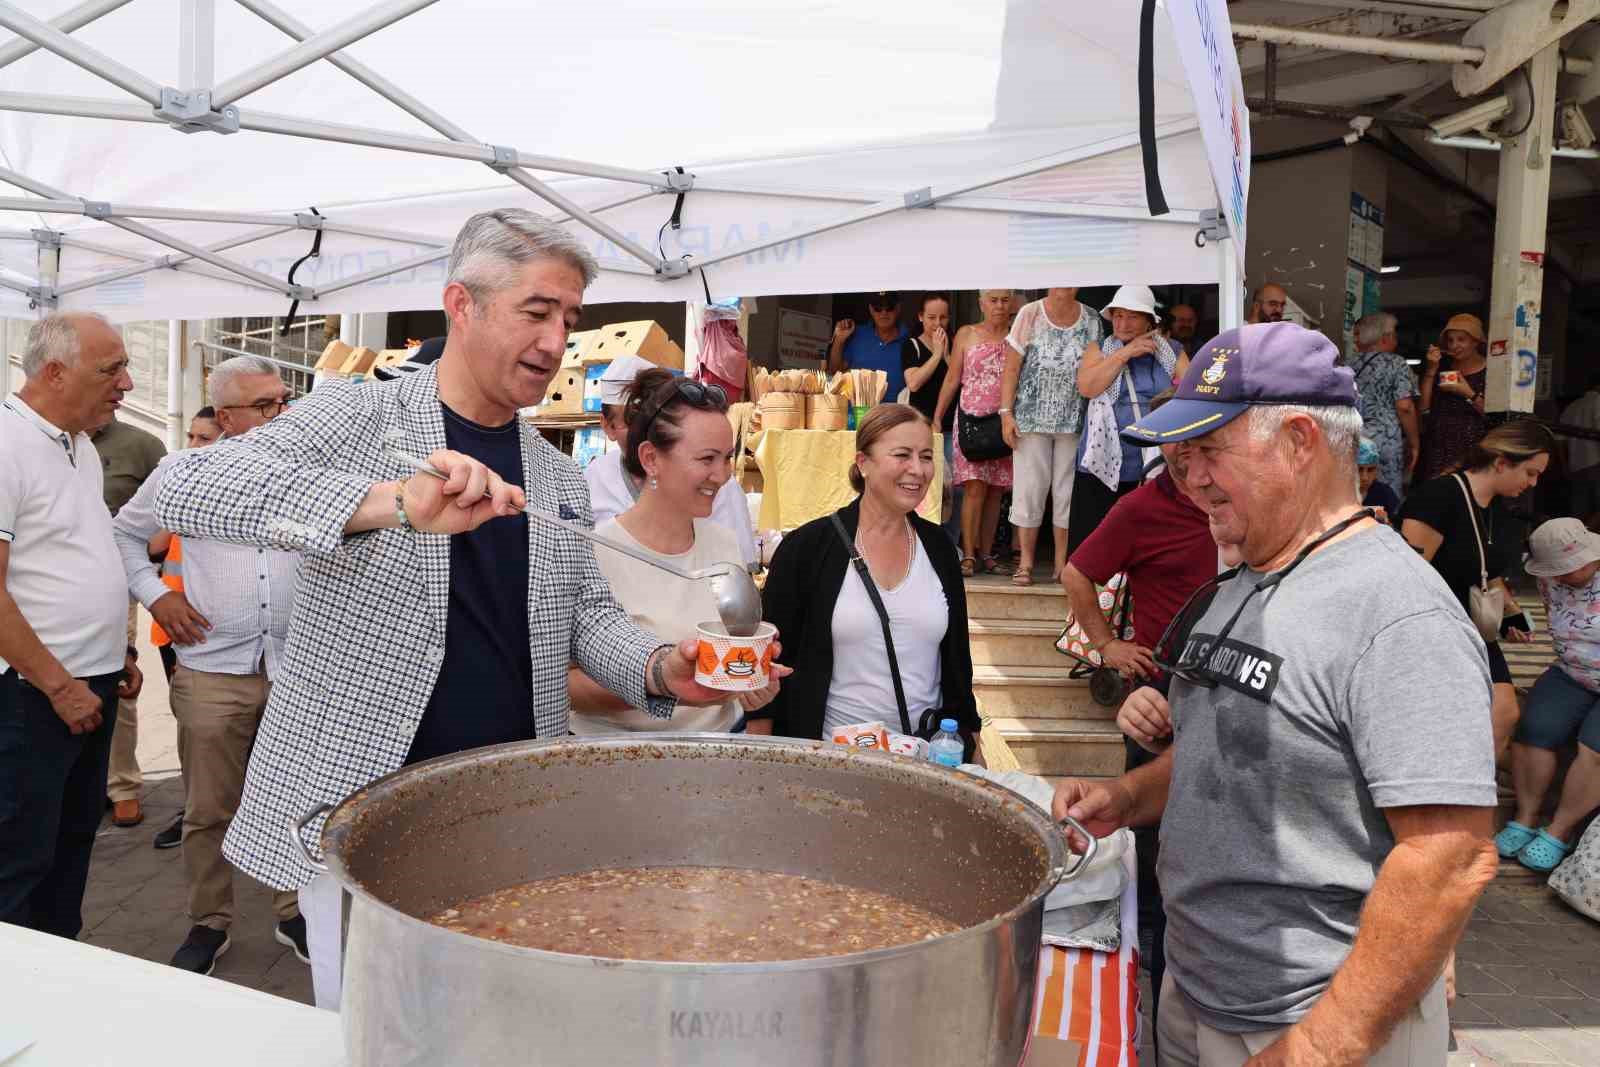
<point x="669" y="607"/>
<point x="862" y="689"/>
<point x="611" y="493"/>
<point x="65" y="572"/>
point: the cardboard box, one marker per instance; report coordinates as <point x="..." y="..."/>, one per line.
<point x="591" y="385"/>
<point x="578" y="345"/>
<point x="390" y="356"/>
<point x="589" y="443"/>
<point x="644" y="339"/>
<point x="333" y="358"/>
<point x="359" y="363"/>
<point x="565" y="395"/>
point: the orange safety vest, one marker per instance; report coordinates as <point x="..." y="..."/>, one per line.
<point x="172" y="574"/>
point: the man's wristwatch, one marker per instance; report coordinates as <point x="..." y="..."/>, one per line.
<point x="1002" y="411"/>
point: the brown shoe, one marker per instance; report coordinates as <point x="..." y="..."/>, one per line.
<point x="127" y="813"/>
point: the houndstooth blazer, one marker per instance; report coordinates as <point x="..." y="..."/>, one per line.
<point x="367" y="638"/>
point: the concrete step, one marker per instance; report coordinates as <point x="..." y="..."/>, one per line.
<point x="992" y="598"/>
<point x="1036" y="692"/>
<point x="1014" y="643"/>
<point x="1064" y="747"/>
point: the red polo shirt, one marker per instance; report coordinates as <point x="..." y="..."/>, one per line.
<point x="1160" y="539"/>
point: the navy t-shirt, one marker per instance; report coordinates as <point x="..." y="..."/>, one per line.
<point x="484" y="693"/>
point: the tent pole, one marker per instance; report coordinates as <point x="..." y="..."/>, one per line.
<point x="95" y="62"/>
<point x="165" y="262"/>
<point x="22" y="181"/>
<point x="175" y="382"/>
<point x="1230" y="296"/>
<point x="197" y="45"/>
<point x="66" y="22"/>
<point x="85" y="107"/>
<point x="965" y="203"/>
<point x="383" y="272"/>
<point x="314" y="48"/>
<point x="929" y="196"/>
<point x="289" y="25"/>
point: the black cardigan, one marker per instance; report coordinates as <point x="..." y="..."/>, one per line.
<point x="802" y="587"/>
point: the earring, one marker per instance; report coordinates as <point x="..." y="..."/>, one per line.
<point x="653" y="483"/>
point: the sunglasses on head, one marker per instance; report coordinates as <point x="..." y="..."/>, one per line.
<point x="695" y="394"/>
<point x="1179" y="657"/>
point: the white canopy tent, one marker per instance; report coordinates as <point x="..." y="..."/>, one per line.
<point x="825" y="147"/>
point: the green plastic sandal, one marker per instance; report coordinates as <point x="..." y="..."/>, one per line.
<point x="1543" y="853"/>
<point x="1513" y="839"/>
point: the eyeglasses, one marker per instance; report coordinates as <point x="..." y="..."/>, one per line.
<point x="265" y="408"/>
<point x="1181" y="658"/>
<point x="693" y="393"/>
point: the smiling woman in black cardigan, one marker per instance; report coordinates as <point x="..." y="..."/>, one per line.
<point x="832" y="634"/>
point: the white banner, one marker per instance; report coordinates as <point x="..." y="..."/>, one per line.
<point x="1205" y="41"/>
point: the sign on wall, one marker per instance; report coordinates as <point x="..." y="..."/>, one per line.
<point x="802" y="338"/>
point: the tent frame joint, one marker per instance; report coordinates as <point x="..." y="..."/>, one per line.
<point x="190" y="111"/>
<point x="920" y="198"/>
<point x="307" y="221"/>
<point x="97" y="209"/>
<point x="40" y="296"/>
<point x="302" y="293"/>
<point x="47" y="238"/>
<point x="504" y="158"/>
<point x="678" y="181"/>
<point x="672" y="268"/>
<point x="1213" y="227"/>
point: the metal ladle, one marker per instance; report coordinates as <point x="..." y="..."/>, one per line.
<point x="738" y="599"/>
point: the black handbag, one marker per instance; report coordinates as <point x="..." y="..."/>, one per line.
<point x="928" y="722"/>
<point x="980" y="436"/>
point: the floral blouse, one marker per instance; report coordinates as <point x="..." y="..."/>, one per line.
<point x="1047" y="399"/>
<point x="1575" y="628"/>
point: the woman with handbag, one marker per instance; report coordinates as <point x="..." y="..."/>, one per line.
<point x="871" y="600"/>
<point x="1459" y="524"/>
<point x="982" y="457"/>
<point x="1120" y="377"/>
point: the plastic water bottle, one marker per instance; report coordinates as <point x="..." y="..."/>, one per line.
<point x="946" y="748"/>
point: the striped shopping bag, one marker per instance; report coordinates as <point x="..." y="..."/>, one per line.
<point x="1086" y="1005"/>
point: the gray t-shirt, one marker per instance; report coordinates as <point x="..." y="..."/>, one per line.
<point x="1355" y="685"/>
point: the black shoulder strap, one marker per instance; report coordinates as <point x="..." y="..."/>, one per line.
<point x="883" y="618"/>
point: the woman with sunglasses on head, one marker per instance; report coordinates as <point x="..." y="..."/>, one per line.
<point x="1460" y="524"/>
<point x="680" y="447"/>
<point x="817" y="595"/>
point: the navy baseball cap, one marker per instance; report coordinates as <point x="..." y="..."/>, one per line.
<point x="1265" y="363"/>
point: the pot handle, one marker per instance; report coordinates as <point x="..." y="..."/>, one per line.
<point x="1066" y="873"/>
<point x="297" y="826"/>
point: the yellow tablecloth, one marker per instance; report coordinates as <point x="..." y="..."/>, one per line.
<point x="806" y="475"/>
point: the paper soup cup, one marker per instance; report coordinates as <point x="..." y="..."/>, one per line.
<point x="734" y="664"/>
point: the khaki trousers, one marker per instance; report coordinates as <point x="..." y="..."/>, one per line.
<point x="218" y="715"/>
<point x="1421" y="1040"/>
<point x="125" y="781"/>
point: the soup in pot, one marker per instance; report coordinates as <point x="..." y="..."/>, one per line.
<point x="694" y="914"/>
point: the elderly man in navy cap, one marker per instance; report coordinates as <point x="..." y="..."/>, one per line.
<point x="1329" y="790"/>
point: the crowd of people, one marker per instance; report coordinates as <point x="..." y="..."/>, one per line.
<point x="1277" y="712"/>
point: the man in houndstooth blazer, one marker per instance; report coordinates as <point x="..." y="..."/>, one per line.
<point x="366" y="646"/>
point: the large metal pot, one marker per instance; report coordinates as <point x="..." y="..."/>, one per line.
<point x="433" y="834"/>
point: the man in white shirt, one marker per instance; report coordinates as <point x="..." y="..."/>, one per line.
<point x="228" y="625"/>
<point x="64" y="655"/>
<point x="612" y="490"/>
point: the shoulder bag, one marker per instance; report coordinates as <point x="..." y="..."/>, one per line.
<point x="928" y="723"/>
<point x="980" y="436"/>
<point x="1485" y="605"/>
